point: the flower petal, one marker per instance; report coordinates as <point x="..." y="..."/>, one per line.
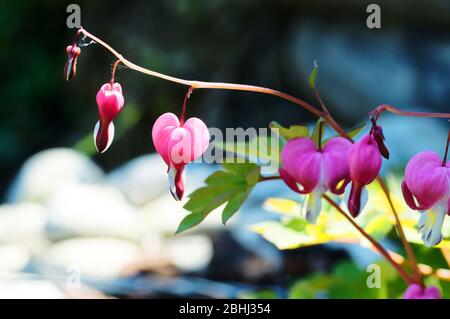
<point x="161" y="132"/>
<point x="199" y="137"/>
<point x="103" y="135"/>
<point x="303" y="163"/>
<point x="336" y="164"/>
<point x="313" y="206"/>
<point x="427" y="179"/>
<point x="430" y="224"/>
<point x="176" y="182"/>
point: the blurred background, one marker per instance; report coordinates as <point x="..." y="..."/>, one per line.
<point x="72" y="218"/>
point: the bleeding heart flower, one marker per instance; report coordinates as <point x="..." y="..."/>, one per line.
<point x="364" y="162"/>
<point x="309" y="170"/>
<point x="415" y="291"/>
<point x="426" y="187"/>
<point x="178" y="144"/>
<point x="110" y="102"/>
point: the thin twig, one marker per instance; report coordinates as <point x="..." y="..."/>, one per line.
<point x="408" y="279"/>
<point x="216" y="85"/>
<point x="398" y="225"/>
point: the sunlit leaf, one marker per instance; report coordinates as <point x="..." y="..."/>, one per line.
<point x="313" y="75"/>
<point x="230" y="186"/>
<point x="294" y="131"/>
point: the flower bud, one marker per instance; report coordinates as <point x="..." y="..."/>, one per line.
<point x="364" y="161"/>
<point x="110" y="102"/>
<point x="70" y="69"/>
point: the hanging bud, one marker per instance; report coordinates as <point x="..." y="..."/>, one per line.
<point x="110" y="102"/>
<point x="70" y="69"/>
<point x="377" y="133"/>
<point x="364" y="161"/>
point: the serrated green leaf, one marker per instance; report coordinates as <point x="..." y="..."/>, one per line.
<point x="312" y="76"/>
<point x="230" y="186"/>
<point x="233" y="206"/>
<point x="190" y="221"/>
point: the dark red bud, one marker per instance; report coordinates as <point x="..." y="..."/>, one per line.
<point x="377" y="134"/>
<point x="70" y="69"/>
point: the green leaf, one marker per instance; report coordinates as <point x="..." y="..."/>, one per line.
<point x="356" y="131"/>
<point x="262" y="150"/>
<point x="319" y="132"/>
<point x="313" y="75"/>
<point x="352" y="133"/>
<point x="233" y="206"/>
<point x="290" y="133"/>
<point x="231" y="186"/>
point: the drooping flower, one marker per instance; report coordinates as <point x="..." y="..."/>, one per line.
<point x="309" y="170"/>
<point x="178" y="144"/>
<point x="110" y="102"/>
<point x="70" y="69"/>
<point x="426" y="187"/>
<point x="364" y="161"/>
<point x="415" y="291"/>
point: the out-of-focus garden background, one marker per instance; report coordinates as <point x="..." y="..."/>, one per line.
<point x="71" y="218"/>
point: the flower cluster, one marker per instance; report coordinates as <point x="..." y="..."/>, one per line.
<point x="310" y="170"/>
<point x="340" y="166"/>
<point x="313" y="171"/>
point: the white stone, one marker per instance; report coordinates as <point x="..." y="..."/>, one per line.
<point x="190" y="253"/>
<point x="90" y="210"/>
<point x="92" y="257"/>
<point x="141" y="179"/>
<point x="29" y="289"/>
<point x="49" y="170"/>
<point x="13" y="257"/>
<point x="165" y="214"/>
<point x="23" y="223"/>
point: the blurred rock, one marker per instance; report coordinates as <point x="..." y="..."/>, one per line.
<point x="164" y="214"/>
<point x="49" y="170"/>
<point x="29" y="289"/>
<point x="13" y="257"/>
<point x="23" y="224"/>
<point x="90" y="210"/>
<point x="141" y="179"/>
<point x="190" y="253"/>
<point x="97" y="257"/>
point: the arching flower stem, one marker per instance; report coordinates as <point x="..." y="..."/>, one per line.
<point x="406" y="277"/>
<point x="406" y="245"/>
<point x="389" y="108"/>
